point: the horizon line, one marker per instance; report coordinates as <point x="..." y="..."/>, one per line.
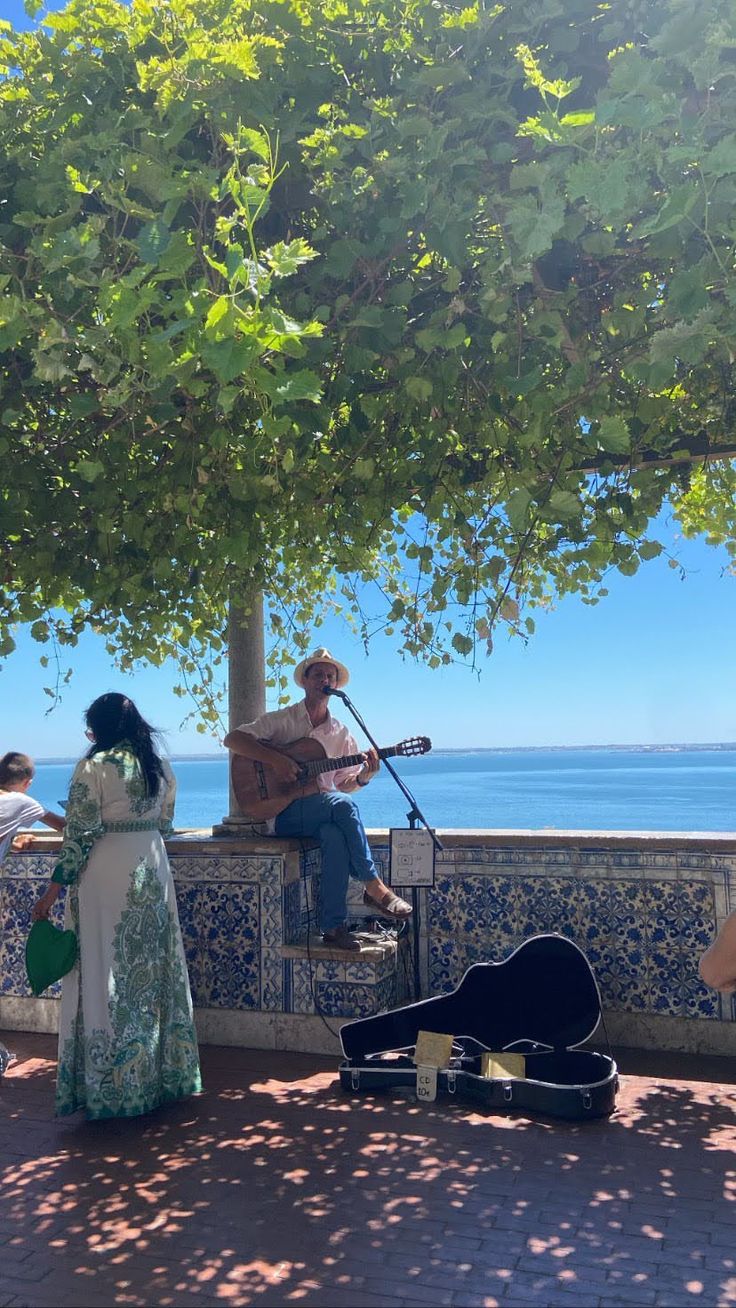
<point x="670" y="747"/>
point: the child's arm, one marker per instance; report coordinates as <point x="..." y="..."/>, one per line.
<point x="53" y="820"/>
<point x="27" y="839"/>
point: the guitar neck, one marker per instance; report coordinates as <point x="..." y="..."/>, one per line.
<point x="313" y="768"/>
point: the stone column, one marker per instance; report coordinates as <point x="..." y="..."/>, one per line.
<point x="246" y="690"/>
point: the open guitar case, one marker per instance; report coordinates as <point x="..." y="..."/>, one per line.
<point x="542" y="1002"/>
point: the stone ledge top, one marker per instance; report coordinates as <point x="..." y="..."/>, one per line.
<point x="557" y="838"/>
<point x="202" y="840"/>
<point x="372" y="950"/>
<point x="723" y="842"/>
<point x="195" y="841"/>
<point x="190" y="842"/>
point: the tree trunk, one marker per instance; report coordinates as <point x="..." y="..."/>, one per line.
<point x="246" y="687"/>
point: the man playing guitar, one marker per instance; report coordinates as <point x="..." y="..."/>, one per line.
<point x="329" y="816"/>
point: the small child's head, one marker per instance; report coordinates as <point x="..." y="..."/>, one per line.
<point x="16" y="771"/>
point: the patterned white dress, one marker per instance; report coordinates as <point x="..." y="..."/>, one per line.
<point x="127" y="1042"/>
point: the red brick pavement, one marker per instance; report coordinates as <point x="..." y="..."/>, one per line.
<point x="273" y="1188"/>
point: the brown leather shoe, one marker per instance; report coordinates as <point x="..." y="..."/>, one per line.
<point x="341" y="938"/>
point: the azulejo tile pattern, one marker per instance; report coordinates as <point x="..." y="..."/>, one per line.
<point x="291" y="908"/>
<point x="350" y="1001"/>
<point x="23" y="880"/>
<point x="642" y="917"/>
<point x="315" y="985"/>
<point x="642" y="934"/>
<point x="220" y="922"/>
<point x="236" y="912"/>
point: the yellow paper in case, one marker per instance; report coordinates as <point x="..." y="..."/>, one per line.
<point x="502" y="1065"/>
<point x="433" y="1049"/>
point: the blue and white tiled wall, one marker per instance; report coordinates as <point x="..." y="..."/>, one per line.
<point x="22" y="881"/>
<point x="642" y="916"/>
<point x="237" y="911"/>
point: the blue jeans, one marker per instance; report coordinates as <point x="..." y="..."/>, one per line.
<point x="334" y="820"/>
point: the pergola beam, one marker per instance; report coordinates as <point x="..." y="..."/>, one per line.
<point x="697" y="450"/>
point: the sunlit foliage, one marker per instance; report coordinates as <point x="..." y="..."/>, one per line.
<point x="413" y="309"/>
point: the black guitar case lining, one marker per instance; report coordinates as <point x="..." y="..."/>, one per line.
<point x="542" y="1001"/>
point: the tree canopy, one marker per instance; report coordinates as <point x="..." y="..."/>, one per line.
<point x="355" y="301"/>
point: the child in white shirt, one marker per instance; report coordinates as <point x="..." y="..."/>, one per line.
<point x="17" y="808"/>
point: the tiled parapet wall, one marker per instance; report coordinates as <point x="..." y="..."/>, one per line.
<point x="245" y="908"/>
<point x="643" y="907"/>
<point x="237" y="907"/>
<point x="22" y="880"/>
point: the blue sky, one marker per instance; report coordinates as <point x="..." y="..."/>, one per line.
<point x="13" y="12"/>
<point x="651" y="664"/>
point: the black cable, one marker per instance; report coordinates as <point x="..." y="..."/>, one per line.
<point x="605" y="1032"/>
<point x="385" y="933"/>
<point x="312" y="990"/>
<point x="405" y="963"/>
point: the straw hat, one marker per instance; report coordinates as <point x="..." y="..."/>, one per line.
<point x="321" y="656"/>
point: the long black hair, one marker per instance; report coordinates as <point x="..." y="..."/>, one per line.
<point x="114" y="718"/>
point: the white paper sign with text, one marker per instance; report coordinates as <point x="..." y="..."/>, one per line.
<point x="412" y="857"/>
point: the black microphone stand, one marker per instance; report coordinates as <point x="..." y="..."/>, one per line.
<point x="414" y="817"/>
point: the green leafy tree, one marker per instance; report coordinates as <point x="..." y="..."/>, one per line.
<point x="415" y="310"/>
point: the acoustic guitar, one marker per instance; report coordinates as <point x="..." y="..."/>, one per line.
<point x="261" y="794"/>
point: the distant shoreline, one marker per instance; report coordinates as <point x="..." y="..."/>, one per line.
<point x="724" y="747"/>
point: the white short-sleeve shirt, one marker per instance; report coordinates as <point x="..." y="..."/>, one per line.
<point x="284" y="726"/>
<point x="17" y="810"/>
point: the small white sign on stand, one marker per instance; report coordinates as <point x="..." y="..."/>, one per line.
<point x="411" y="857"/>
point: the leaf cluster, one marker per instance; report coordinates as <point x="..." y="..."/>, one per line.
<point x="414" y="310"/>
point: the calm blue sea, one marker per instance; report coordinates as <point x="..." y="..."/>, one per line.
<point x="580" y="789"/>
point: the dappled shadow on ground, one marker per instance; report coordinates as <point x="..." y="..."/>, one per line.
<point x="275" y="1188"/>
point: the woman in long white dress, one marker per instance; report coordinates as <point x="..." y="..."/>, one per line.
<point x="127" y="1042"/>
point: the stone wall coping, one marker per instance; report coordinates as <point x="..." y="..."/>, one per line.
<point x="202" y="841"/>
<point x="709" y="841"/>
<point x="192" y="842"/>
<point x="188" y="842"/>
<point x="372" y="951"/>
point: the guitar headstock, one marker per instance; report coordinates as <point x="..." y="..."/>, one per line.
<point x="414" y="745"/>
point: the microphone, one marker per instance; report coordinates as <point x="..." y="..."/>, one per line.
<point x="329" y="690"/>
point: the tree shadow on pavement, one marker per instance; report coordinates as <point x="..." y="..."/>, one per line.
<point x="273" y="1187"/>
